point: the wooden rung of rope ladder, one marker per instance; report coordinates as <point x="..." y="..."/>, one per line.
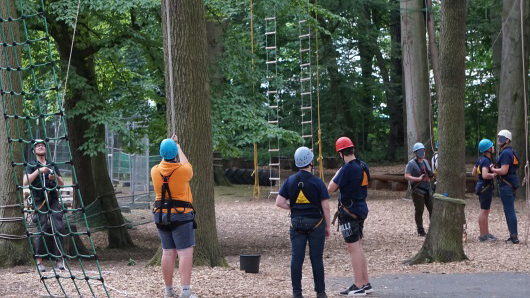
<point x="270" y="33"/>
<point x="305" y="79"/>
<point x="307" y="108"/>
<point x="273" y="121"/>
<point x="307" y="136"/>
<point x="302" y="21"/>
<point x="271" y="62"/>
<point x="270" y="48"/>
<point x="274" y="193"/>
<point x="304" y="50"/>
<point x="305" y="93"/>
<point x="273" y="107"/>
<point x="304" y="36"/>
<point x="305" y="65"/>
<point x="272" y="92"/>
<point x="274" y="178"/>
<point x="274" y="150"/>
<point x="275" y="164"/>
<point x="270" y="18"/>
<point x="307" y="122"/>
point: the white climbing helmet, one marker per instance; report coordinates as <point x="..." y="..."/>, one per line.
<point x="505" y="133"/>
<point x="303" y="157"/>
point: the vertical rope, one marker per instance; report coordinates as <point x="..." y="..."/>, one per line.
<point x="257" y="191"/>
<point x="170" y="66"/>
<point x="319" y="159"/>
<point x="526" y="167"/>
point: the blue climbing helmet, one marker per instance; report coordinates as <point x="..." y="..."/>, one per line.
<point x="436" y="145"/>
<point x="168" y="149"/>
<point x="303" y="157"/>
<point x="484" y="145"/>
<point x="417" y="147"/>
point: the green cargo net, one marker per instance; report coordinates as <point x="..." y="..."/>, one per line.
<point x="30" y="98"/>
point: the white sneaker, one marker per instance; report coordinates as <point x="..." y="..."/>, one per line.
<point x="59" y="264"/>
<point x="41" y="267"/>
<point x="189" y="295"/>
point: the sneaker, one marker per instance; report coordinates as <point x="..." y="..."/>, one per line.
<point x="483" y="238"/>
<point x="41" y="267"/>
<point x="512" y="240"/>
<point x="368" y="288"/>
<point x="421" y="232"/>
<point x="491" y="237"/>
<point x="322" y="295"/>
<point x="59" y="264"/>
<point x="353" y="291"/>
<point x="188" y="295"/>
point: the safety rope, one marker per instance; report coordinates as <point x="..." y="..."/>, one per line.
<point x="34" y="96"/>
<point x="526" y="167"/>
<point x="319" y="159"/>
<point x="170" y="67"/>
<point x="256" y="193"/>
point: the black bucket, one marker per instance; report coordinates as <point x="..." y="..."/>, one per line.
<point x="249" y="263"/>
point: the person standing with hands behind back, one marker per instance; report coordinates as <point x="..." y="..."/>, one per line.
<point x="484" y="187"/>
<point x="418" y="172"/>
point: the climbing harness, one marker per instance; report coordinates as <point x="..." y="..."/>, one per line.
<point x="301" y="183"/>
<point x="170" y="204"/>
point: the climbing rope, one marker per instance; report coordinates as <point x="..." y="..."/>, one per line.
<point x="526" y="167"/>
<point x="319" y="159"/>
<point x="256" y="193"/>
<point x="35" y="109"/>
<point x="170" y="67"/>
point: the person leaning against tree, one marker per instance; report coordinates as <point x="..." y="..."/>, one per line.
<point x="484" y="187"/>
<point x="352" y="182"/>
<point x="307" y="198"/>
<point x="174" y="215"/>
<point x="418" y="173"/>
<point x="506" y="170"/>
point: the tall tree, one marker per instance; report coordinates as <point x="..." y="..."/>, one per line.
<point x="12" y="251"/>
<point x="414" y="49"/>
<point x="444" y="240"/>
<point x="511" y="90"/>
<point x="394" y="95"/>
<point x="193" y="125"/>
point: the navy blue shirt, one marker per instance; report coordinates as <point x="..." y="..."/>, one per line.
<point x="483" y="162"/>
<point x="314" y="190"/>
<point x="39" y="194"/>
<point x="352" y="193"/>
<point x="507" y="157"/>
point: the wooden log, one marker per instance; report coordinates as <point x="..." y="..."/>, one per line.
<point x="378" y="184"/>
<point x="444" y="240"/>
<point x="389" y="177"/>
<point x="399" y="186"/>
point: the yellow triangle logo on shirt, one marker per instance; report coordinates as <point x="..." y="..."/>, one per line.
<point x="302" y="199"/>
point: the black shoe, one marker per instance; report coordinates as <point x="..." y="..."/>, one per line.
<point x="298" y="295"/>
<point x="353" y="291"/>
<point x="421" y="232"/>
<point x="322" y="295"/>
<point x="512" y="240"/>
<point x="368" y="288"/>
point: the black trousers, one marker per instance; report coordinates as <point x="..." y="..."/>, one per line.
<point x="46" y="220"/>
<point x="420" y="201"/>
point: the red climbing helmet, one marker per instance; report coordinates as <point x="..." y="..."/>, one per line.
<point x="343" y="143"/>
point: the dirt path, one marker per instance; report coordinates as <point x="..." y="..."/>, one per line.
<point x="248" y="227"/>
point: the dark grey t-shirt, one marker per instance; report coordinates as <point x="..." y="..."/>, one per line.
<point x="416" y="169"/>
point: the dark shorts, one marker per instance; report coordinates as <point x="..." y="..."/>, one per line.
<point x="485" y="195"/>
<point x="350" y="228"/>
<point x="180" y="238"/>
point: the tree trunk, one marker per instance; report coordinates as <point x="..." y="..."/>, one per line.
<point x="92" y="175"/>
<point x="12" y="252"/>
<point x="394" y="97"/>
<point x="368" y="35"/>
<point x="444" y="240"/>
<point x="194" y="123"/>
<point x="511" y="90"/>
<point x="342" y="104"/>
<point x="417" y="89"/>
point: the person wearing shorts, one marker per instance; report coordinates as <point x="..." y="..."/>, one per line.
<point x="352" y="181"/>
<point x="484" y="187"/>
<point x="174" y="215"/>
